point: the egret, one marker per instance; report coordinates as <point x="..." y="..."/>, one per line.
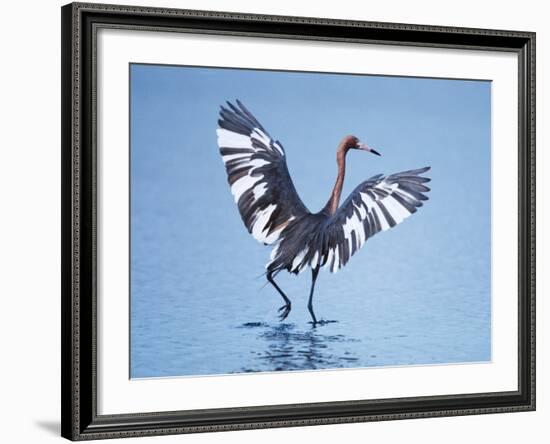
<point x="274" y="214"/>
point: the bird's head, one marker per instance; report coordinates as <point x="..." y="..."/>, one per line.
<point x="353" y="143"/>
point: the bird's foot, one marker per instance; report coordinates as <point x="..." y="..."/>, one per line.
<point x="284" y="311"/>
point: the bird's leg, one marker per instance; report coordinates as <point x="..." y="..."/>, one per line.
<point x="314" y="273"/>
<point x="285" y="309"/>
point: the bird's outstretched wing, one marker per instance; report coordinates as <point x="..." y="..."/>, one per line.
<point x="377" y="204"/>
<point x="257" y="173"/>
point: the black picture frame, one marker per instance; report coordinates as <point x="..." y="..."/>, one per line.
<point x="78" y="333"/>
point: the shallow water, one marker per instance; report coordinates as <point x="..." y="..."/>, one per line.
<point x="224" y="320"/>
<point x="417" y="294"/>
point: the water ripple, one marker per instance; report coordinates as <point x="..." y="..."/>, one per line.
<point x="284" y="347"/>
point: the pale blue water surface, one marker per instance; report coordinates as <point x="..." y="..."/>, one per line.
<point x="417" y="294"/>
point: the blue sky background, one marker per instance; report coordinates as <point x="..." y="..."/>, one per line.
<point x="416" y="294"/>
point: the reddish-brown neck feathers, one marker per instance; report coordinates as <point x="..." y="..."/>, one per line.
<point x="345" y="145"/>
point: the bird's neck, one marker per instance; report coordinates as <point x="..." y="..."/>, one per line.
<point x="334" y="200"/>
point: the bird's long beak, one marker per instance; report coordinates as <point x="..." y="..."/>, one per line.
<point x="365" y="147"/>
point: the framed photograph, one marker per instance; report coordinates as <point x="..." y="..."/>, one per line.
<point x="281" y="221"/>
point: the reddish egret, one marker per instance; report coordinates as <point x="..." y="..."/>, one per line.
<point x="275" y="215"/>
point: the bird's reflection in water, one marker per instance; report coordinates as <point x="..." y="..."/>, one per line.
<point x="285" y="348"/>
